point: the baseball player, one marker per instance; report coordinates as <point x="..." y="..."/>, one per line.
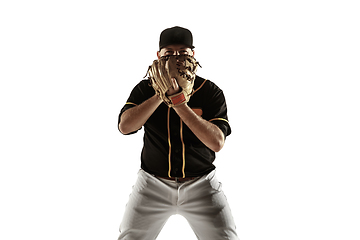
<point x="185" y="122"/>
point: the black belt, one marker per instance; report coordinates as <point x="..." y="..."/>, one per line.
<point x="178" y="179"/>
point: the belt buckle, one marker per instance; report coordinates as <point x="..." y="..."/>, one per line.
<point x="178" y="180"/>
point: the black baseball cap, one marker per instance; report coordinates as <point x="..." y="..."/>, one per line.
<point x="176" y="35"/>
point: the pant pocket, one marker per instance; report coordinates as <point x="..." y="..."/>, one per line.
<point x="214" y="183"/>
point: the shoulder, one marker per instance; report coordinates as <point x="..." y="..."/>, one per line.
<point x="141" y="92"/>
<point x="144" y="84"/>
<point x="205" y="86"/>
<point x="144" y="87"/>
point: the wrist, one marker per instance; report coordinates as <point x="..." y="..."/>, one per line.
<point x="180" y="106"/>
<point x="178" y="99"/>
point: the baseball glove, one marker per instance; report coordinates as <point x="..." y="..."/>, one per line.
<point x="180" y="67"/>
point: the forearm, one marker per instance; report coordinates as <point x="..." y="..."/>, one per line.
<point x="208" y="133"/>
<point x="134" y="118"/>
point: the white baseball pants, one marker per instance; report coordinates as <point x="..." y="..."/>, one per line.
<point x="201" y="201"/>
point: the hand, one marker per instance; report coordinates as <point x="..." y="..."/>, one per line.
<point x="174" y="87"/>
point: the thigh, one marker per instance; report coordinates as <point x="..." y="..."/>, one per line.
<point x="148" y="209"/>
<point x="207" y="210"/>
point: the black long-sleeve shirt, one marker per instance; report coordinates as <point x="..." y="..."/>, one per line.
<point x="170" y="148"/>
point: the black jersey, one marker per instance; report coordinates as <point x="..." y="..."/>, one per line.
<point x="170" y="147"/>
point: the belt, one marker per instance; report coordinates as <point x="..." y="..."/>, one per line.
<point x="178" y="179"/>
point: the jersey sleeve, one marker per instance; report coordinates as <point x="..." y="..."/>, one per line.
<point x="216" y="111"/>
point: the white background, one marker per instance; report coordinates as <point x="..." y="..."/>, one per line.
<point x="289" y="71"/>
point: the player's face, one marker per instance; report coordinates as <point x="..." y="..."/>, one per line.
<point x="176" y="49"/>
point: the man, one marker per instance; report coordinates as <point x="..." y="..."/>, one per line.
<point x="177" y="175"/>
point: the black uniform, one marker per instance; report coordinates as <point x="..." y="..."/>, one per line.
<point x="170" y="147"/>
